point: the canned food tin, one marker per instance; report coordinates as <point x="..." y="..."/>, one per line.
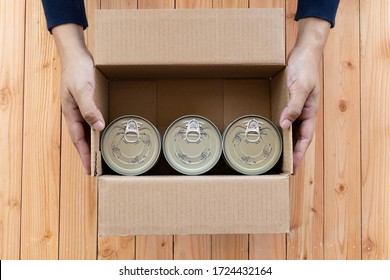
<point x="252" y="145"/>
<point x="192" y="145"/>
<point x="131" y="145"/>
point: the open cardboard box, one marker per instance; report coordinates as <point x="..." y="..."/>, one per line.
<point x="163" y="64"/>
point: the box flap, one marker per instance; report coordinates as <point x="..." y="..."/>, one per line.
<point x="140" y="41"/>
<point x="149" y="205"/>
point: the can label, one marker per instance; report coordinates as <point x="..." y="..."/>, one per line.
<point x="192" y="145"/>
<point x="252" y="145"/>
<point x="130" y="145"/>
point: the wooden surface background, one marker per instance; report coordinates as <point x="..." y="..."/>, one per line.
<point x="340" y="198"/>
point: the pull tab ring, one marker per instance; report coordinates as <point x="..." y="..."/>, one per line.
<point x="131" y="129"/>
<point x="193" y="128"/>
<point x="252" y="128"/>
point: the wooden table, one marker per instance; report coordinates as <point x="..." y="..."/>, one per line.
<point x="340" y="197"/>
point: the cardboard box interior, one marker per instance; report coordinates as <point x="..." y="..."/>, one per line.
<point x="162" y="101"/>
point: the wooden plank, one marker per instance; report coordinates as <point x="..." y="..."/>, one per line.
<point x="375" y="128"/>
<point x="194" y="4"/>
<point x="228" y="4"/>
<point x="119" y="4"/>
<point x="267" y="246"/>
<point x="192" y="247"/>
<point x="342" y="219"/>
<point x="155" y="247"/>
<point x="306" y="188"/>
<point x="228" y="246"/>
<point x="156" y="4"/>
<point x="116" y="248"/>
<point x="11" y="124"/>
<point x="41" y="146"/>
<point x="267" y="3"/>
<point x="78" y="212"/>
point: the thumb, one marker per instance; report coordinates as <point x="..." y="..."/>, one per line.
<point x="88" y="110"/>
<point x="293" y="109"/>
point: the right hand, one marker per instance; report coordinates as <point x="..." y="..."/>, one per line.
<point x="77" y="89"/>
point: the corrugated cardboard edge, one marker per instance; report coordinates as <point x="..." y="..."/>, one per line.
<point x="163" y="205"/>
<point x="279" y="101"/>
<point x="101" y="101"/>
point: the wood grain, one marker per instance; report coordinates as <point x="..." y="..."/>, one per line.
<point x="342" y="224"/>
<point x="78" y="212"/>
<point x="375" y="128"/>
<point x="267" y="3"/>
<point x="156" y="4"/>
<point x="11" y="124"/>
<point x="192" y="247"/>
<point x="118" y="4"/>
<point x="41" y="145"/>
<point x="230" y="247"/>
<point x="267" y="246"/>
<point x="30" y="112"/>
<point x="306" y="188"/>
<point x="154" y="247"/>
<point x="230" y="4"/>
<point x="116" y="248"/>
<point x="194" y="4"/>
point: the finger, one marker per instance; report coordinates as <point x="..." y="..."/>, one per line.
<point x="77" y="132"/>
<point x="305" y="133"/>
<point x="88" y="109"/>
<point x="293" y="109"/>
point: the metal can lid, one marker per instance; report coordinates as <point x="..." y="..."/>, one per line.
<point x="192" y="145"/>
<point x="130" y="145"/>
<point x="252" y="145"/>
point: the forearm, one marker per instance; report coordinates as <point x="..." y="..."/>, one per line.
<point x="312" y="37"/>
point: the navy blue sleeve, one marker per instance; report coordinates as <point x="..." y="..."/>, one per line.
<point x="324" y="9"/>
<point x="64" y="11"/>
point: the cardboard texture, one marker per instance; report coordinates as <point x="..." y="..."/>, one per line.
<point x="163" y="64"/>
<point x="186" y="43"/>
<point x="187" y="205"/>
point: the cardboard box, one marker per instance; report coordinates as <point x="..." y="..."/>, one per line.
<point x="163" y="64"/>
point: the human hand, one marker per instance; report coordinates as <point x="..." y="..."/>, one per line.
<point x="77" y="89"/>
<point x="304" y="85"/>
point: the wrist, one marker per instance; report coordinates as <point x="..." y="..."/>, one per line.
<point x="312" y="35"/>
<point x="70" y="42"/>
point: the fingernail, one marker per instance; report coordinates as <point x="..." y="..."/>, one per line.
<point x="286" y="124"/>
<point x="98" y="125"/>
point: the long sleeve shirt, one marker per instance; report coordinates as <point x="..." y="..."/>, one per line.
<point x="73" y="11"/>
